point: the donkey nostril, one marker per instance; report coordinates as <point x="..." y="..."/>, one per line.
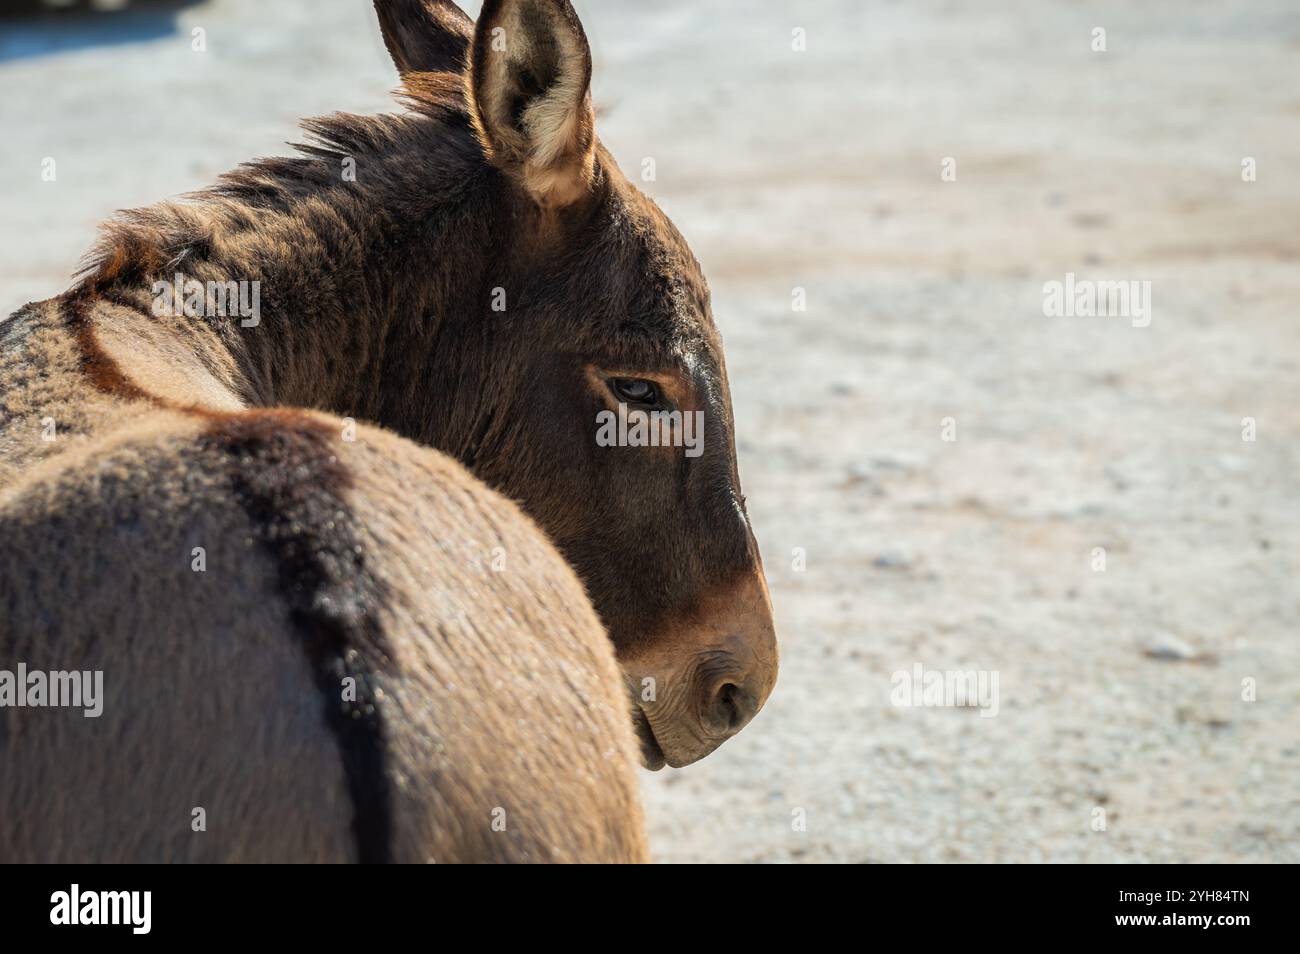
<point x="727" y="702"/>
<point x="730" y="708"/>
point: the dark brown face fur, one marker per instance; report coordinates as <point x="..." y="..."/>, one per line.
<point x="600" y="288"/>
<point x="606" y="292"/>
<point x="495" y="187"/>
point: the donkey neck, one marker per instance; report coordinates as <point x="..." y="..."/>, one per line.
<point x="345" y="264"/>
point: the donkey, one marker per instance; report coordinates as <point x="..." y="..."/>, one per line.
<point x="474" y="276"/>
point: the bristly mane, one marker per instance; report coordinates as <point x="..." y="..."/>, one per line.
<point x="138" y="243"/>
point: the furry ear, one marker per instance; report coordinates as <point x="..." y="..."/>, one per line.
<point x="529" y="83"/>
<point x="425" y="36"/>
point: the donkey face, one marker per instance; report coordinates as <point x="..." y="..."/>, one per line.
<point x="611" y="413"/>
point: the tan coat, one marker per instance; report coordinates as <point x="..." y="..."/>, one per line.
<point x="489" y="720"/>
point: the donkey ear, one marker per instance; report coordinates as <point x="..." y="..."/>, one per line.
<point x="530" y="80"/>
<point x="425" y="36"/>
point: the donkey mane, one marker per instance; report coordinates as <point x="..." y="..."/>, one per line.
<point x="357" y="274"/>
<point x="436" y="131"/>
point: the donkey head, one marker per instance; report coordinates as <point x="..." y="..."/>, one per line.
<point x="604" y="404"/>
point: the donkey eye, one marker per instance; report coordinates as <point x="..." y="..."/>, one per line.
<point x="634" y="390"/>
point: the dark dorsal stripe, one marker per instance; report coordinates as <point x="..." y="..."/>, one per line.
<point x="101" y="370"/>
<point x="285" y="472"/>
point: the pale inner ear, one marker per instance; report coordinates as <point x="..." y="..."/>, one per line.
<point x="534" y="101"/>
<point x="553" y="121"/>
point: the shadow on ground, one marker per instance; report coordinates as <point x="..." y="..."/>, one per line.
<point x="31" y="28"/>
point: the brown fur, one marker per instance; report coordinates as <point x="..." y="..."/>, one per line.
<point x="376" y="305"/>
<point x="484" y="691"/>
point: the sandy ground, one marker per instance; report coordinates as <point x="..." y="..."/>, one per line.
<point x="1119" y="690"/>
